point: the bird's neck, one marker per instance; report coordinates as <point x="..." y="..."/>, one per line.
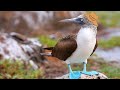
<point x="87" y="28"/>
<point x="87" y="33"/>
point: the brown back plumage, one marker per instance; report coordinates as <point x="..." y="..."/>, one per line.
<point x="65" y="47"/>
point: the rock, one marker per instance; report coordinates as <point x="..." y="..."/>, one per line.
<point x="15" y="46"/>
<point x="83" y="76"/>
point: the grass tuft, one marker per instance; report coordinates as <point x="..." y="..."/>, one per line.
<point x="47" y="41"/>
<point x="113" y="42"/>
<point x="109" y="18"/>
<point x="10" y="69"/>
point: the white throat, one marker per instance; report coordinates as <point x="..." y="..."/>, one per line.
<point x="86" y="34"/>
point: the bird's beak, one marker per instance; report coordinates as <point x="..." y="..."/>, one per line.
<point x="72" y="20"/>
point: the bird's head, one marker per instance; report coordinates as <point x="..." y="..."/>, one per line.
<point x="84" y="19"/>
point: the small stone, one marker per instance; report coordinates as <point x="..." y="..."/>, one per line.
<point x="84" y="76"/>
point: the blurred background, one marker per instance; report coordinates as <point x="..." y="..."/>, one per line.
<point x="43" y="26"/>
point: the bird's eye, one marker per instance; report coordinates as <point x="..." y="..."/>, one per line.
<point x="81" y="19"/>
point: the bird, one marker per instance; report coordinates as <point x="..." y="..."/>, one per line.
<point x="79" y="47"/>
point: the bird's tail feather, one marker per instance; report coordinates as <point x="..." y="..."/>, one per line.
<point x="48" y="48"/>
<point x="46" y="54"/>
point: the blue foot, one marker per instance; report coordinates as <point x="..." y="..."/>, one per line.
<point x="90" y="73"/>
<point x="75" y="75"/>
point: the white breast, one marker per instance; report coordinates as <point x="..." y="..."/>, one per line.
<point x="86" y="40"/>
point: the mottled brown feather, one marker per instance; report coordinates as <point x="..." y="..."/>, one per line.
<point x="94" y="47"/>
<point x="65" y="47"/>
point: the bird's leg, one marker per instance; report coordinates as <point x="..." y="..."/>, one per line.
<point x="69" y="67"/>
<point x="73" y="74"/>
<point x="84" y="67"/>
<point x="86" y="72"/>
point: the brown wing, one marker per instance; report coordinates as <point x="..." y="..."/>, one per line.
<point x="95" y="47"/>
<point x="64" y="48"/>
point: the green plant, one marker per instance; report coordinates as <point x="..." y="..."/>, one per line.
<point x="109" y="18"/>
<point x="10" y="69"/>
<point x="113" y="42"/>
<point x="111" y="72"/>
<point x="47" y="41"/>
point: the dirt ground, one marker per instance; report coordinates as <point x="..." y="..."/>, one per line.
<point x="54" y="68"/>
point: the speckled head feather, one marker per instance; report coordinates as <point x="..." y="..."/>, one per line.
<point x="92" y="17"/>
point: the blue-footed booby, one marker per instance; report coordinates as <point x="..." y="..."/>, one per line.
<point x="78" y="48"/>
